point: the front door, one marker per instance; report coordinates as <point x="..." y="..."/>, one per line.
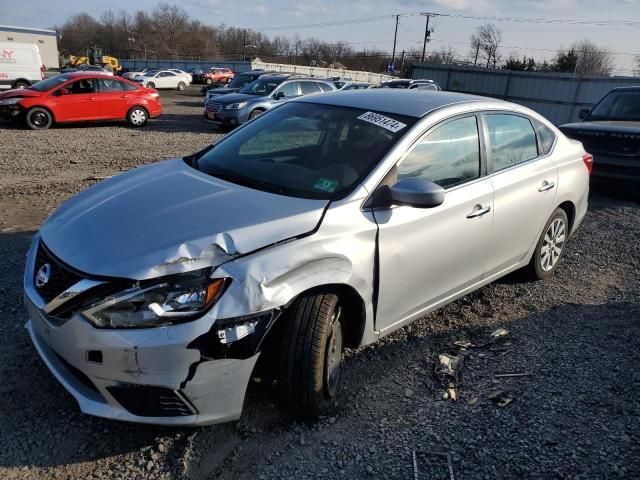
<point x="427" y="255"/>
<point x="525" y="185"/>
<point x="76" y="101"/>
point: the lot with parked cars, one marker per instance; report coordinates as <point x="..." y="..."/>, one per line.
<point x="574" y="411"/>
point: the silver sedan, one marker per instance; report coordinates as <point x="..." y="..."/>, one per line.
<point x="324" y="224"/>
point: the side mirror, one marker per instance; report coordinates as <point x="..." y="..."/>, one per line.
<point x="63" y="91"/>
<point x="416" y="192"/>
<point x="279" y="95"/>
<point x="582" y="114"/>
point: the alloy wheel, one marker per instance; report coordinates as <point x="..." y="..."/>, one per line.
<point x="553" y="244"/>
<point x="138" y="117"/>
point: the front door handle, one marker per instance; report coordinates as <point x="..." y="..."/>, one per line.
<point x="478" y="211"/>
<point x="124" y="96"/>
<point x="546" y="186"/>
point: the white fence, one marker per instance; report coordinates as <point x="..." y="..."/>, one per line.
<point x="557" y="96"/>
<point x="354" y="75"/>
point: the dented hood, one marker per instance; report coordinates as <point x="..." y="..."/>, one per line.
<point x="169" y="218"/>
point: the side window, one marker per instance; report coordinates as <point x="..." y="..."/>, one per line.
<point x="290" y="89"/>
<point x="81" y="86"/>
<point x="107" y="85"/>
<point x="128" y="87"/>
<point x="448" y="156"/>
<point x="512" y="139"/>
<point x="325" y="87"/>
<point x="309" y="87"/>
<point x="167" y="74"/>
<point x="546" y="137"/>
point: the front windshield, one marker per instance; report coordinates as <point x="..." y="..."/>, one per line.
<point x="49" y="83"/>
<point x="240" y="81"/>
<point x="618" y="106"/>
<point x="262" y="86"/>
<point x="304" y="150"/>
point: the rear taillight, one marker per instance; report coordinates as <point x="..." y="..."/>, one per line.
<point x="587" y="158"/>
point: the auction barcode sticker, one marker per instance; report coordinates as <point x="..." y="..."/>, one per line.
<point x="382" y="121"/>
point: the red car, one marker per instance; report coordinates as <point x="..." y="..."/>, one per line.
<point x="79" y="97"/>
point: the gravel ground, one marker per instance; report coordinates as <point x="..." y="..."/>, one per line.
<point x="576" y="416"/>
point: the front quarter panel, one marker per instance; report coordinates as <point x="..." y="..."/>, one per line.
<point x="341" y="252"/>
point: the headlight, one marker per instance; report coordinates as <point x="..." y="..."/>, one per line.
<point x="236" y="106"/>
<point x="11" y="101"/>
<point x="174" y="299"/>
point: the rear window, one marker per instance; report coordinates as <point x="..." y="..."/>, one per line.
<point x="546" y="137"/>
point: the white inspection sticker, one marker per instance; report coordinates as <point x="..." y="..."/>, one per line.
<point x="382" y="121"/>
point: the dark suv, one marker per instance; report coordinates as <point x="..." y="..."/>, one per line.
<point x="610" y="131"/>
<point x="417" y="84"/>
<point x="261" y="95"/>
<point x="239" y="81"/>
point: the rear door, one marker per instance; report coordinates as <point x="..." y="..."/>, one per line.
<point x="524" y="181"/>
<point x="113" y="98"/>
<point x="80" y="103"/>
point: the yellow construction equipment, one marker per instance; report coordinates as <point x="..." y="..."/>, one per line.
<point x="94" y="56"/>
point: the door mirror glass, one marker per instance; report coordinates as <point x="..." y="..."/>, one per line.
<point x="582" y="114"/>
<point x="279" y="95"/>
<point x="63" y="91"/>
<point x="416" y="192"/>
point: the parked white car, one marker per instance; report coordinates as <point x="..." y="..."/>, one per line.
<point x="187" y="76"/>
<point x="20" y="65"/>
<point x="141" y="73"/>
<point x="162" y="79"/>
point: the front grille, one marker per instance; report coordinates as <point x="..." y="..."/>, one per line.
<point x="213" y="107"/>
<point x="609" y="142"/>
<point x="148" y="401"/>
<point x="61" y="276"/>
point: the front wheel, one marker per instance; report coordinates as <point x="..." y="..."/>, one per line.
<point x="550" y="247"/>
<point x="182" y="86"/>
<point x="209" y="81"/>
<point x="39" y="119"/>
<point x="151" y="85"/>
<point x="311" y="353"/>
<point x="21" y="84"/>
<point x="255" y="113"/>
<point x="137" y="117"/>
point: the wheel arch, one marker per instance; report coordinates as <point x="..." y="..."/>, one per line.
<point x="18" y="80"/>
<point x="44" y="107"/>
<point x="570" y="209"/>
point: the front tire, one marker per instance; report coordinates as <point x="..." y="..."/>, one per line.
<point x="182" y="86"/>
<point x="311" y="354"/>
<point x="39" y="119"/>
<point x="550" y="247"/>
<point x="255" y="113"/>
<point x="20" y="84"/>
<point x="137" y="117"/>
<point x="209" y="81"/>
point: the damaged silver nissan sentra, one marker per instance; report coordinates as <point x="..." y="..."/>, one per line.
<point x="323" y="224"/>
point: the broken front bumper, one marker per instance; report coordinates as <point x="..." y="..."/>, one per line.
<point x="146" y="375"/>
<point x="125" y="376"/>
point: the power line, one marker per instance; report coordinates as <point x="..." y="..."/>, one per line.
<point x="552" y="21"/>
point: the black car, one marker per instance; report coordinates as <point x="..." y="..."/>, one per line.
<point x="610" y="131"/>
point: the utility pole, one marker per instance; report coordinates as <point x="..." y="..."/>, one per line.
<point x="427" y="34"/>
<point x="244" y="44"/>
<point x="395" y="37"/>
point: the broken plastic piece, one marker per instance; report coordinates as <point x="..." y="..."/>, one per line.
<point x="500" y="398"/>
<point x="463" y="344"/>
<point x="237" y="332"/>
<point x="501" y="332"/>
<point x="449" y="372"/>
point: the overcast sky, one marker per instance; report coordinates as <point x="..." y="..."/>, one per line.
<point x="452" y="32"/>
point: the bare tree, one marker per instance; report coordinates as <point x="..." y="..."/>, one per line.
<point x="637" y="70"/>
<point x="485" y="43"/>
<point x="592" y="60"/>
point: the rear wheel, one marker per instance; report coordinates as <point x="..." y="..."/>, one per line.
<point x="137" y="117"/>
<point x="209" y="81"/>
<point x="311" y="353"/>
<point x="550" y="247"/>
<point x="151" y="85"/>
<point x="21" y="84"/>
<point x="39" y="119"/>
<point x="182" y="86"/>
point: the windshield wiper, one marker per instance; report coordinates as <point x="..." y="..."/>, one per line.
<point x="249" y="182"/>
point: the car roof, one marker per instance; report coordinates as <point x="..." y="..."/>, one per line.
<point x="400" y="102"/>
<point x="634" y="88"/>
<point x="82" y="74"/>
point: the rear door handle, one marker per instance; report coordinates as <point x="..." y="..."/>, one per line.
<point x="546" y="186"/>
<point x="478" y="211"/>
